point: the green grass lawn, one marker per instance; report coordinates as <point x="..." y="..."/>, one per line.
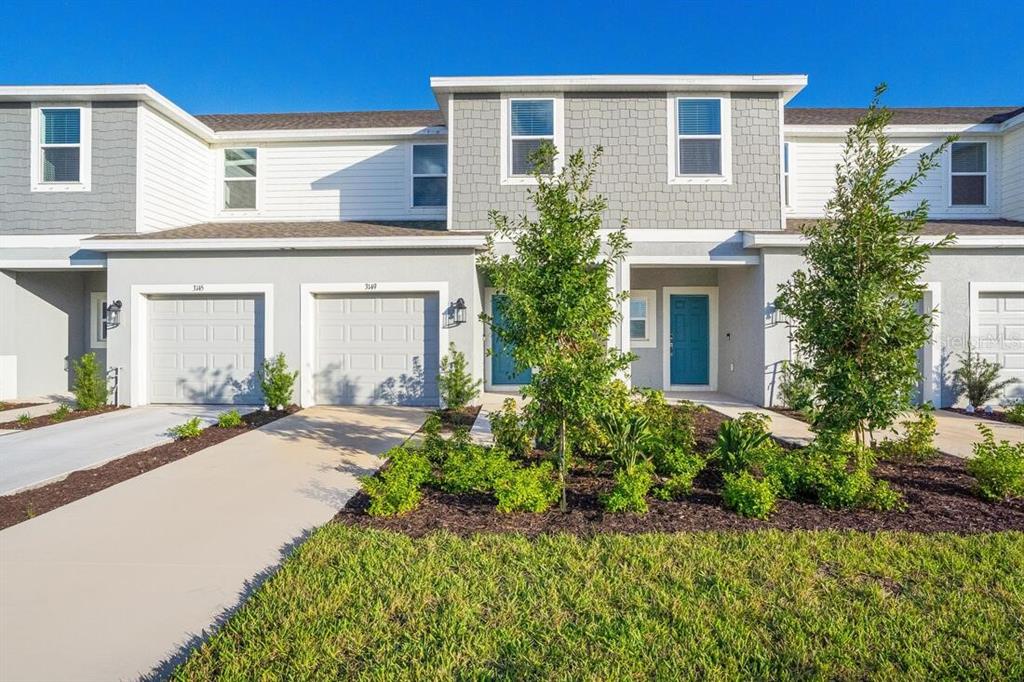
<point x="825" y="605"/>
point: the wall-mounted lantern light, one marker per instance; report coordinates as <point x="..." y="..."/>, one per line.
<point x="112" y="314"/>
<point x="459" y="309"/>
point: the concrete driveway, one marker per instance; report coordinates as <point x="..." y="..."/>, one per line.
<point x="955" y="433"/>
<point x="117" y="585"/>
<point x="29" y="458"/>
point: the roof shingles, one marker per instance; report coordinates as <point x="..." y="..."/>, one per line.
<point x="296" y="230"/>
<point x="325" y="120"/>
<point x="904" y="116"/>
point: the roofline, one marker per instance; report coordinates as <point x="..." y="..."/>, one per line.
<point x="287" y="244"/>
<point x="760" y="240"/>
<point x="913" y="130"/>
<point x="321" y="134"/>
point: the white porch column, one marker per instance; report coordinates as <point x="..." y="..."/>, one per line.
<point x="623" y="340"/>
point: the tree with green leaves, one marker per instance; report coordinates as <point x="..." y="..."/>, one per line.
<point x="854" y="306"/>
<point x="557" y="308"/>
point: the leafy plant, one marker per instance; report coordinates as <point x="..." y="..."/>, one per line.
<point x="527" y="488"/>
<point x="748" y="496"/>
<point x="796" y="389"/>
<point x="678" y="462"/>
<point x="679" y="485"/>
<point x="24" y="418"/>
<point x="837" y="472"/>
<point x="510" y="430"/>
<point x="277" y="382"/>
<point x="434" y="444"/>
<point x="739" y="443"/>
<point x="90" y="387"/>
<point x="396" y="489"/>
<point x="630" y="491"/>
<point x="455" y="382"/>
<point x="670" y="426"/>
<point x="628" y="438"/>
<point x="997" y="466"/>
<point x="474" y="468"/>
<point x="61" y="413"/>
<point x="193" y="428"/>
<point x="556" y="305"/>
<point x="854" y="307"/>
<point x="917" y="443"/>
<point x="229" y="420"/>
<point x="1015" y="413"/>
<point x="978" y="378"/>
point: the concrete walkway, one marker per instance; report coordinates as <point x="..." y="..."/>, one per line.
<point x="30" y="458"/>
<point x="956" y="434"/>
<point x="783" y="427"/>
<point x="44" y="406"/>
<point x="115" y="585"/>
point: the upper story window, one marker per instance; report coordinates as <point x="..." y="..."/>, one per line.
<point x="968" y="173"/>
<point x="701" y="147"/>
<point x="429" y="175"/>
<point x="526" y="124"/>
<point x="61" y="139"/>
<point x="240" y="179"/>
<point x="785" y="173"/>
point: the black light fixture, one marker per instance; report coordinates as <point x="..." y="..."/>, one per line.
<point x="459" y="309"/>
<point x="112" y="314"/>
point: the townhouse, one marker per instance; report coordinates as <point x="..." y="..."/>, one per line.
<point x="185" y="249"/>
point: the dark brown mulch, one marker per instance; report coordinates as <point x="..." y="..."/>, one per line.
<point x="994" y="416"/>
<point x="29" y="503"/>
<point x="795" y="414"/>
<point x="16" y="406"/>
<point x="456" y="418"/>
<point x="48" y="420"/>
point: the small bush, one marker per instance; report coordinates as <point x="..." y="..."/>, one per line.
<point x="24" y="418"/>
<point x="788" y="469"/>
<point x="678" y="462"/>
<point x="741" y="441"/>
<point x="229" y="420"/>
<point x="671" y="426"/>
<point x="190" y="429"/>
<point x="837" y="473"/>
<point x="529" y="488"/>
<point x="61" y="413"/>
<point x="277" y="382"/>
<point x="676" y="487"/>
<point x="396" y="488"/>
<point x="630" y="492"/>
<point x="1015" y="413"/>
<point x="998" y="467"/>
<point x="474" y="468"/>
<point x="455" y="382"/>
<point x="509" y="429"/>
<point x="90" y="387"/>
<point x="978" y="378"/>
<point x="917" y="443"/>
<point x="628" y="438"/>
<point x="796" y="391"/>
<point x="434" y="444"/>
<point x="749" y="496"/>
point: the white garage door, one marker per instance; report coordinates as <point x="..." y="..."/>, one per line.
<point x="377" y="349"/>
<point x="205" y="349"/>
<point x="1001" y="335"/>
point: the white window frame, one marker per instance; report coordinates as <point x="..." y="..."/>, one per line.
<point x="413" y="175"/>
<point x="558" y="137"/>
<point x="787" y="175"/>
<point x="650" y="296"/>
<point x="725" y="177"/>
<point x="223" y="178"/>
<point x="97" y="319"/>
<point x="84" y="145"/>
<point x="987" y="174"/>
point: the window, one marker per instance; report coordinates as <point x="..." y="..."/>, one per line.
<point x="98" y="319"/>
<point x="701" y="141"/>
<point x="61" y="144"/>
<point x="429" y="175"/>
<point x="641" y="318"/>
<point x="968" y="173"/>
<point x="239" y="179"/>
<point x="785" y="173"/>
<point x="531" y="123"/>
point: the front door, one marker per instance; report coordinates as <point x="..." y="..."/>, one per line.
<point x="689" y="340"/>
<point x="503" y="367"/>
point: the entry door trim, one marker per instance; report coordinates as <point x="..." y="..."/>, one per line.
<point x="307" y="320"/>
<point x="138" y="323"/>
<point x="666" y="333"/>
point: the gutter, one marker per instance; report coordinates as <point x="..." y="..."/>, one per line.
<point x="288" y="244"/>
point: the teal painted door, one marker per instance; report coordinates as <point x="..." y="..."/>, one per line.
<point x="689" y="346"/>
<point x="503" y="368"/>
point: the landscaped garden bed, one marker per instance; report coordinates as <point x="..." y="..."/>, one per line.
<point x="58" y="417"/>
<point x="995" y="415"/>
<point x="16" y="406"/>
<point x="26" y="504"/>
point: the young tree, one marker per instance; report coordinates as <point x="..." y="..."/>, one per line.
<point x="855" y="305"/>
<point x="557" y="307"/>
<point x="455" y="382"/>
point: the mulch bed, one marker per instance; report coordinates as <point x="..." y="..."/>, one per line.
<point x="29" y="503"/>
<point x="994" y="416"/>
<point x="459" y="418"/>
<point x="938" y="494"/>
<point x="48" y="420"/>
<point x="16" y="406"/>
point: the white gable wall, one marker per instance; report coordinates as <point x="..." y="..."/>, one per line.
<point x="176" y="178"/>
<point x="1013" y="174"/>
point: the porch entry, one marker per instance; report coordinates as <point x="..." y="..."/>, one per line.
<point x="689" y="339"/>
<point x="503" y="367"/>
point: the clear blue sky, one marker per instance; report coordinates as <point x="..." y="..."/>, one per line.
<point x="233" y="56"/>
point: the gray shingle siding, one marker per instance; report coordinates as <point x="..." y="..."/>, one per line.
<point x="633" y="130"/>
<point x="108" y="208"/>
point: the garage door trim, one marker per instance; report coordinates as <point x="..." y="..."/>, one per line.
<point x="139" y="322"/>
<point x="307" y="321"/>
<point x="974" y="301"/>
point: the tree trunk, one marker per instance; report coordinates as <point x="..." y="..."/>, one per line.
<point x="561" y="465"/>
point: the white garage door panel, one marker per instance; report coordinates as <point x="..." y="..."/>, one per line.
<point x="1001" y="336"/>
<point x="378" y="349"/>
<point x="205" y="349"/>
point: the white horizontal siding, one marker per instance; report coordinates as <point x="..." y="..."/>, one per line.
<point x="177" y="175"/>
<point x="812" y="163"/>
<point x="1013" y="174"/>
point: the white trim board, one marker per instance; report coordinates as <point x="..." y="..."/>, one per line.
<point x="931" y="381"/>
<point x="138" y="313"/>
<point x="243" y="244"/>
<point x="308" y="292"/>
<point x="666" y="328"/>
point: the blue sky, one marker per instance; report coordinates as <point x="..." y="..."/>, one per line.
<point x="302" y="56"/>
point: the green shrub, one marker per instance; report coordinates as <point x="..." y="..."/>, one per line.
<point x="90" y="387"/>
<point x="917" y="443"/>
<point x="978" y="378"/>
<point x="788" y="469"/>
<point x="740" y="442"/>
<point x="678" y="462"/>
<point x="229" y="420"/>
<point x="837" y="473"/>
<point x="509" y="429"/>
<point x="628" y="438"/>
<point x="527" y="488"/>
<point x="671" y="426"/>
<point x="455" y="382"/>
<point x="434" y="444"/>
<point x="24" y="418"/>
<point x="474" y="468"/>
<point x="61" y="413"/>
<point x="190" y="429"/>
<point x="1015" y="413"/>
<point x="630" y="492"/>
<point x="796" y="391"/>
<point x="396" y="488"/>
<point x="748" y="496"/>
<point x="998" y="467"/>
<point x="676" y="487"/>
<point x="277" y="382"/>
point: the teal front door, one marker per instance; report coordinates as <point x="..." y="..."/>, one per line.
<point x="503" y="367"/>
<point x="689" y="340"/>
